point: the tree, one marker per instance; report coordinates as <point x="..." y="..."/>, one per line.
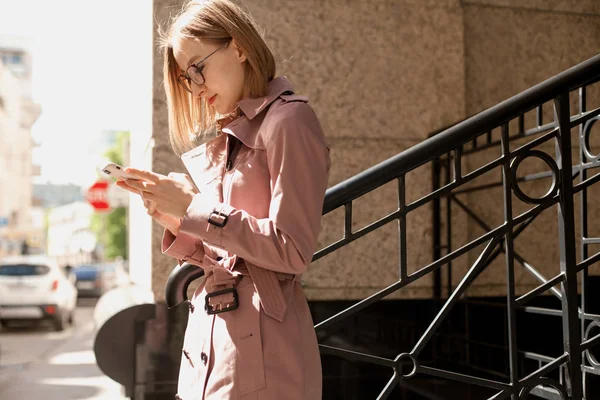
<point x="111" y="228"/>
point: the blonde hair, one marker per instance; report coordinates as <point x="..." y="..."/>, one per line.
<point x="212" y="21"/>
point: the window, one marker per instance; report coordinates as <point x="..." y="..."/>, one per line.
<point x="23" y="270"/>
<point x="16" y="58"/>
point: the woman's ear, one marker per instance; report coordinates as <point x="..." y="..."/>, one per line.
<point x="239" y="52"/>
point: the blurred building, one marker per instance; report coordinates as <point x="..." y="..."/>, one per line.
<point x="70" y="238"/>
<point x="18" y="112"/>
<point x="48" y="195"/>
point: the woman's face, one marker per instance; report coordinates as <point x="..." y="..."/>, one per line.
<point x="223" y="71"/>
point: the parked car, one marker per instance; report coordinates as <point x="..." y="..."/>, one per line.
<point x="34" y="287"/>
<point x="93" y="280"/>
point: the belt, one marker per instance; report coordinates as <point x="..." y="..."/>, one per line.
<point x="266" y="283"/>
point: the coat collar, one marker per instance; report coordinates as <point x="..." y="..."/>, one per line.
<point x="253" y="106"/>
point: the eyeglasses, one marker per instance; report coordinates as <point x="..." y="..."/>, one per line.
<point x="193" y="73"/>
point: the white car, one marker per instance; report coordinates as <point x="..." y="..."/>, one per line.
<point x="34" y="287"/>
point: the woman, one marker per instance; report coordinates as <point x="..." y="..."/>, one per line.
<point x="250" y="215"/>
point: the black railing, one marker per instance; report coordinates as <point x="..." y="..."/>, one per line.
<point x="517" y="119"/>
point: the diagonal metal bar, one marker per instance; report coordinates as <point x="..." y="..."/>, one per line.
<point x="546" y="369"/>
<point x="582" y="118"/>
<point x="451" y="186"/>
<point x="586" y="183"/>
<point x="471" y="213"/>
<point x="529" y="132"/>
<point x="463" y="378"/>
<point x="356" y="356"/>
<point x="462" y="286"/>
<point x="541" y="289"/>
<point x="536" y="274"/>
<point x="591" y="342"/>
<point x="389" y="388"/>
<point x="519" y="258"/>
<point x="516" y="234"/>
<point x="414" y="276"/>
<point x="533" y="144"/>
<point x="505" y="394"/>
<point x="588" y="261"/>
<point x="526" y="216"/>
<point x="457" y="253"/>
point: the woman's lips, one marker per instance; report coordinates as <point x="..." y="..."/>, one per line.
<point x="212" y="99"/>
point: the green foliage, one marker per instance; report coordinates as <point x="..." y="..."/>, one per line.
<point x="111" y="228"/>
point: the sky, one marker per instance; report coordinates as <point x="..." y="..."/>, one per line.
<point x="91" y="63"/>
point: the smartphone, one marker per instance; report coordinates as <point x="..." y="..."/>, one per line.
<point x="117" y="172"/>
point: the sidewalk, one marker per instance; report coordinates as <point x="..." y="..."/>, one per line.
<point x="67" y="372"/>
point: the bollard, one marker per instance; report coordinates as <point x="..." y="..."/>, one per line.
<point x="120" y="318"/>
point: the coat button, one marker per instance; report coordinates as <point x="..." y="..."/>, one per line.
<point x="204" y="358"/>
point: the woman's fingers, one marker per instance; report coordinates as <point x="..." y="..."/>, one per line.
<point x="125" y="186"/>
<point x="140" y="185"/>
<point x="146" y="175"/>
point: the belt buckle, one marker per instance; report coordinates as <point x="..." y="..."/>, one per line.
<point x="220" y="307"/>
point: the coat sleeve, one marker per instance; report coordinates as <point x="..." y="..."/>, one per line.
<point x="285" y="241"/>
<point x="182" y="247"/>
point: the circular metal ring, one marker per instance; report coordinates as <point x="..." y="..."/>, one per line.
<point x="542" y="381"/>
<point x="402" y="357"/>
<point x="590" y="357"/>
<point x="514" y="166"/>
<point x="585" y="140"/>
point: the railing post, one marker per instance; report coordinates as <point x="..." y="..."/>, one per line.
<point x="436" y="223"/>
<point x="568" y="260"/>
<point x="510" y="265"/>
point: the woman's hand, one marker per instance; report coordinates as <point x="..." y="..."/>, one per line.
<point x="166" y="221"/>
<point x="171" y="195"/>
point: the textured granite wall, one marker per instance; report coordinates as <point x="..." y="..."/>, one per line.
<point x="382" y="75"/>
<point x="502" y="59"/>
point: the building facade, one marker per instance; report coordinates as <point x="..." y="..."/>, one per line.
<point x="18" y="113"/>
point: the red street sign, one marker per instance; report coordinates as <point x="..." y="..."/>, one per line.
<point x="97" y="196"/>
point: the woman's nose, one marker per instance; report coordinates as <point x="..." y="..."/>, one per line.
<point x="198" y="90"/>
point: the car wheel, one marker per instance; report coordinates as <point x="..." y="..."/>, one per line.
<point x="59" y="322"/>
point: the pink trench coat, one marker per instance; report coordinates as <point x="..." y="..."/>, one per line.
<point x="265" y="209"/>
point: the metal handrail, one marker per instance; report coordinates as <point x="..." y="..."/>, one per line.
<point x="421" y="153"/>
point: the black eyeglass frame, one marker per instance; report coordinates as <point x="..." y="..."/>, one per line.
<point x="199" y="69"/>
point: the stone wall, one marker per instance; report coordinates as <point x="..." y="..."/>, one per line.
<point x="382" y="75"/>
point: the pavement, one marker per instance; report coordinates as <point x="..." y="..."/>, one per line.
<point x="53" y="366"/>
